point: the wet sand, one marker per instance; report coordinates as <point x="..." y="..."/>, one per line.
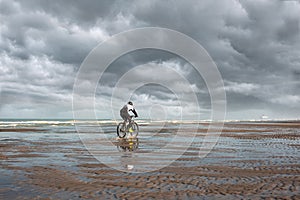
<point x="243" y="165"/>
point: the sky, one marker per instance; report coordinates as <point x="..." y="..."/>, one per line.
<point x="254" y="43"/>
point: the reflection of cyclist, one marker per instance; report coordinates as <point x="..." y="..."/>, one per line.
<point x="128" y="145"/>
<point x="125" y="112"/>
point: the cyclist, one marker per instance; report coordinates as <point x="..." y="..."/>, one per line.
<point x="125" y="113"/>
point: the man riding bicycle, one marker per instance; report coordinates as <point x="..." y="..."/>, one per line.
<point x="125" y="113"/>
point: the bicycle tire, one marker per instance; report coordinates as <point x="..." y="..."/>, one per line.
<point x="121" y="134"/>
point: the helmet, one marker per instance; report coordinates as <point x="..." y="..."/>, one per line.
<point x="130" y="103"/>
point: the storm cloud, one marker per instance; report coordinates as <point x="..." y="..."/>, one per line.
<point x="255" y="45"/>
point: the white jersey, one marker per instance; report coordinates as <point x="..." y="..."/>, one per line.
<point x="129" y="107"/>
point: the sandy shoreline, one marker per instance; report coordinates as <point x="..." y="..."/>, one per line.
<point x="63" y="169"/>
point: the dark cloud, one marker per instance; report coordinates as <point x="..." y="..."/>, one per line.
<point x="255" y="44"/>
<point x="78" y="12"/>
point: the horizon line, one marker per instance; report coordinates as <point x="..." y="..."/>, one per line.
<point x="203" y="120"/>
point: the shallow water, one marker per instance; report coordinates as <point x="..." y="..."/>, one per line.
<point x="58" y="144"/>
<point x="156" y="143"/>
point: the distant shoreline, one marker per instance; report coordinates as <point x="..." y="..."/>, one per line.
<point x="157" y="120"/>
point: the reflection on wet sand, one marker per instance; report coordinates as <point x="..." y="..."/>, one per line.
<point x="250" y="161"/>
<point x="130" y="144"/>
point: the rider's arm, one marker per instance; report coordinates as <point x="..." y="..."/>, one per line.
<point x="135" y="113"/>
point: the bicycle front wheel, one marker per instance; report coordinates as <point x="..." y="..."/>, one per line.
<point x="134" y="129"/>
<point x="121" y="132"/>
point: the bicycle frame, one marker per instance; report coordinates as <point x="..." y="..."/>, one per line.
<point x="123" y="131"/>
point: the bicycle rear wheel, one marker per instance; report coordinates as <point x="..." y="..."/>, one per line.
<point x="121" y="130"/>
<point x="134" y="129"/>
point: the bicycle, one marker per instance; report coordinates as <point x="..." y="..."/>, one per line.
<point x="132" y="128"/>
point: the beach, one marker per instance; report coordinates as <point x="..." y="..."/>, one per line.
<point x="51" y="160"/>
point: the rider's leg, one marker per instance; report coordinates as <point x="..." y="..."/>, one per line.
<point x="127" y="121"/>
<point x="124" y="117"/>
<point x="123" y="128"/>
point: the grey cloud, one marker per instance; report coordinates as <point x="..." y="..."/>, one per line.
<point x="30" y="30"/>
<point x="36" y="83"/>
<point x="255" y="44"/>
<point x="7" y="7"/>
<point x="85" y="12"/>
